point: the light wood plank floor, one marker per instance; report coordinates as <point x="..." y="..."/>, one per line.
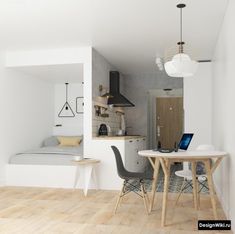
<point x="42" y="210"/>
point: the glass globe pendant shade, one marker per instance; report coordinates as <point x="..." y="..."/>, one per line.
<point x="181" y="66"/>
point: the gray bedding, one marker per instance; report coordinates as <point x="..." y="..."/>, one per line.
<point x="54" y="155"/>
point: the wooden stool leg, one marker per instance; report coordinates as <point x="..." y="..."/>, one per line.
<point x="119" y="197"/>
<point x="94" y="177"/>
<point x="87" y="170"/>
<point x="76" y="178"/>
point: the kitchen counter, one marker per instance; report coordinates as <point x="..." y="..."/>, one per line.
<point x="117" y="137"/>
<point x="128" y="147"/>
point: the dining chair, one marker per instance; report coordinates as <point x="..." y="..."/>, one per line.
<point x="129" y="181"/>
<point x="186" y="174"/>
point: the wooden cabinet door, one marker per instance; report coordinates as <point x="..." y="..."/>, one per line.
<point x="169" y="120"/>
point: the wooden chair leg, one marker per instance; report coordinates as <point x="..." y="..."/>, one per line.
<point x="181" y="190"/>
<point x="198" y="191"/>
<point x="144" y="197"/>
<point x="194" y="180"/>
<point x="119" y="198"/>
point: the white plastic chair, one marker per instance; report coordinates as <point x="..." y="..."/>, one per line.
<point x="186" y="173"/>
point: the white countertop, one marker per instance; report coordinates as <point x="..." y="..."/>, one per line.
<point x="117" y="137"/>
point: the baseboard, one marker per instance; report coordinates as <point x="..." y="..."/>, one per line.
<point x="2" y="182"/>
<point x="224" y="205"/>
<point x="222" y="201"/>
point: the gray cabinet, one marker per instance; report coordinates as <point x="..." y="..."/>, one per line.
<point x="134" y="162"/>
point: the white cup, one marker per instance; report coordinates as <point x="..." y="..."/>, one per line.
<point x="77" y="158"/>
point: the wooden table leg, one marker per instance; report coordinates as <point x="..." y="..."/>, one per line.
<point x="87" y="170"/>
<point x="195" y="192"/>
<point x="154" y="183"/>
<point x="166" y="169"/>
<point x="76" y="177"/>
<point x="211" y="187"/>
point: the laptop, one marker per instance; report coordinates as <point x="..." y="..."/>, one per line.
<point x="185" y="141"/>
<point x="183" y="144"/>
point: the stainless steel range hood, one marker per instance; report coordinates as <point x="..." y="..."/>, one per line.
<point x="117" y="99"/>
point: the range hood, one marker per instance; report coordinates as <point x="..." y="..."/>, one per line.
<point x="117" y="99"/>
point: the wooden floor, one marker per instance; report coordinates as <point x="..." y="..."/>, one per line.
<point x="41" y="210"/>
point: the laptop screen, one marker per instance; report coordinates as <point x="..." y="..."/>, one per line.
<point x="185" y="141"/>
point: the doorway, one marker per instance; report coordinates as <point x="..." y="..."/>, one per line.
<point x="169" y="121"/>
<point x="152" y="112"/>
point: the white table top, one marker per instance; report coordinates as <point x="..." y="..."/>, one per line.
<point x="86" y="161"/>
<point x="184" y="154"/>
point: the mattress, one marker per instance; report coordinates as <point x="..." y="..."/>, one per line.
<point x="47" y="156"/>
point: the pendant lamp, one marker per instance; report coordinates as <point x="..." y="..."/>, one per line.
<point x="66" y="110"/>
<point x="181" y="64"/>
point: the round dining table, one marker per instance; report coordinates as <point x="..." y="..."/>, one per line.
<point x="157" y="158"/>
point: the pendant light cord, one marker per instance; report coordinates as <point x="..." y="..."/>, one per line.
<point x="181" y="43"/>
<point x="181" y="26"/>
<point x="66" y="92"/>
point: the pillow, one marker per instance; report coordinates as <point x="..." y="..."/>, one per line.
<point x="69" y="140"/>
<point x="50" y="141"/>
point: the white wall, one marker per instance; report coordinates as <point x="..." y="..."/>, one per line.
<point x="55" y="57"/>
<point x="70" y="125"/>
<point x="75" y="55"/>
<point x="27" y="114"/>
<point x="101" y="149"/>
<point x="92" y="148"/>
<point x="224" y="111"/>
<point x="198" y="105"/>
<point x="136" y="89"/>
<point x="100" y="75"/>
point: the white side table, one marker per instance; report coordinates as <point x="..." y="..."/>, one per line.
<point x="87" y="166"/>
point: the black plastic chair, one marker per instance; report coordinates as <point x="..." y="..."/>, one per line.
<point x="129" y="177"/>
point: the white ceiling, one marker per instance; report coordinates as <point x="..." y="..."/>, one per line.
<point x="129" y="33"/>
<point x="62" y="73"/>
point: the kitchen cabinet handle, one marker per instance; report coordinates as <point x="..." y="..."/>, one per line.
<point x="138" y="140"/>
<point x="137" y="163"/>
<point x="130" y="141"/>
<point x="144" y="139"/>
